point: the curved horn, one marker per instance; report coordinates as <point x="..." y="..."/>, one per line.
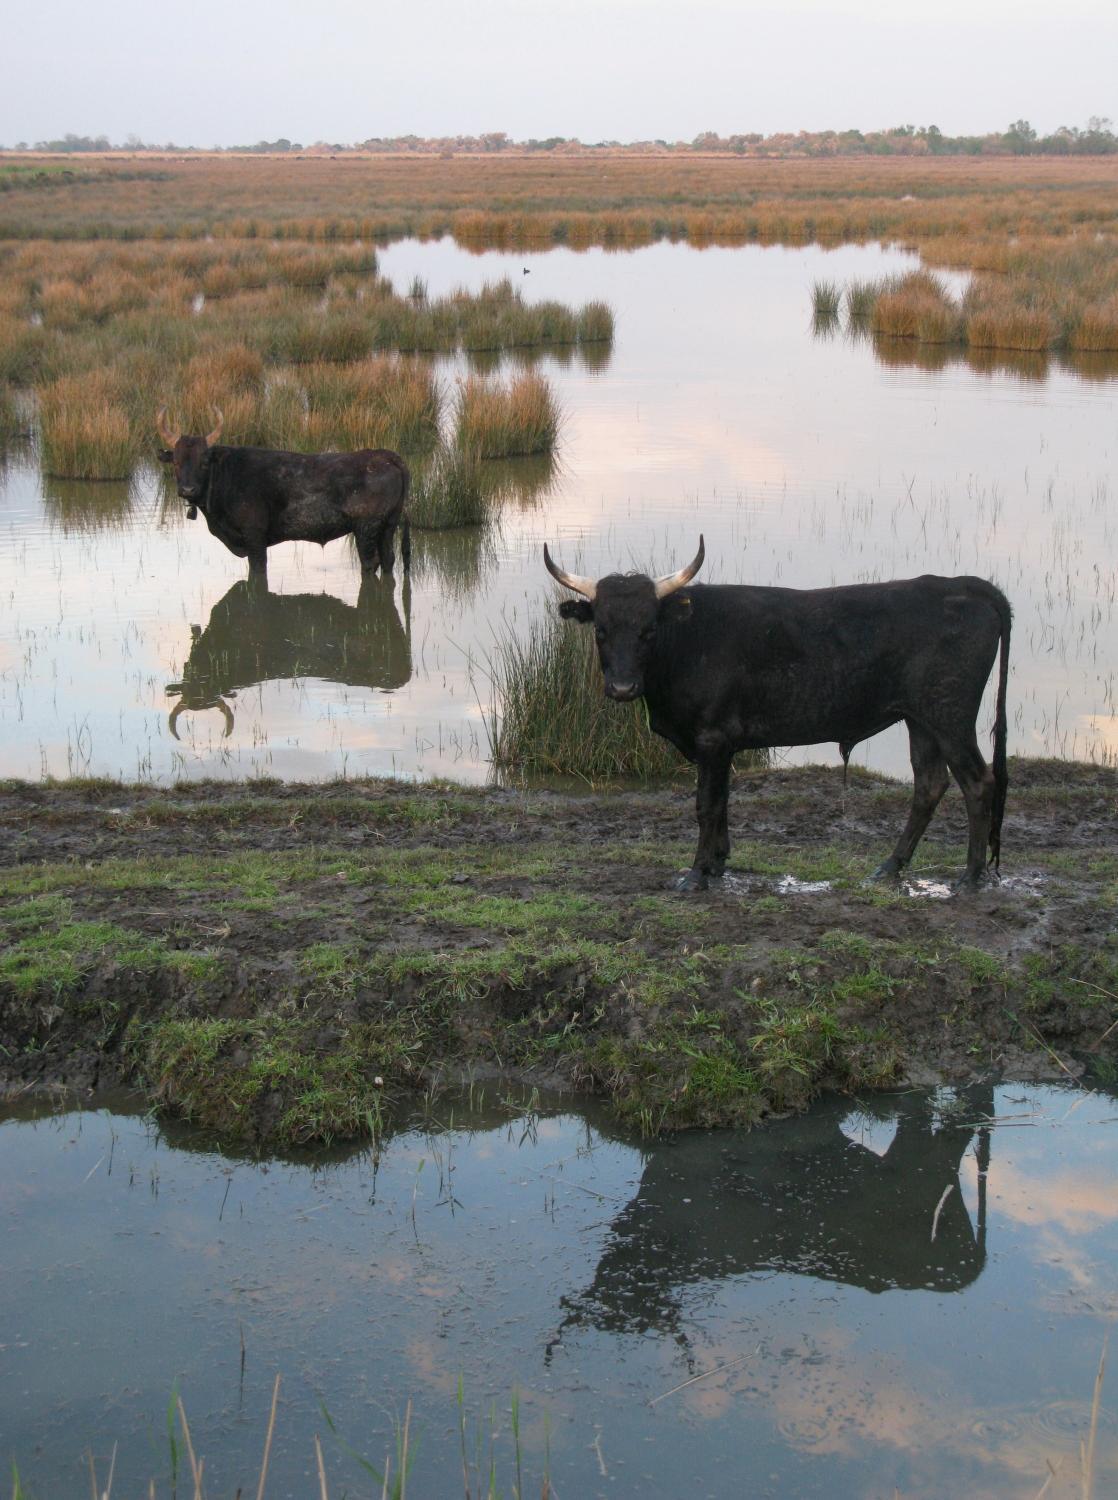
<point x="587" y="587"/>
<point x="669" y="584"/>
<point x="219" y="702"/>
<point x="169" y="438"/>
<point x="212" y="437"/>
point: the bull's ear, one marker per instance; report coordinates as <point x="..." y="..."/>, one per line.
<point x="165" y="455"/>
<point x="675" y="607"/>
<point x="577" y="609"/>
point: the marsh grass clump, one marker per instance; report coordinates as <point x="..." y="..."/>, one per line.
<point x="453" y="489"/>
<point x="1096" y="332"/>
<point x="1003" y="324"/>
<point x="379" y="402"/>
<point x="595" y="324"/>
<point x="826" y="299"/>
<point x="495" y="420"/>
<point x="915" y="305"/>
<point x="84" y="429"/>
<point x="551" y="716"/>
<point x="859" y="298"/>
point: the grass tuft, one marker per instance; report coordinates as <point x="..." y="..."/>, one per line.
<point x="495" y="420"/>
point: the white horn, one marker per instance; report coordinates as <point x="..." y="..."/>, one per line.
<point x="673" y="581"/>
<point x="587" y="587"/>
<point x="163" y="430"/>
<point x="212" y="437"/>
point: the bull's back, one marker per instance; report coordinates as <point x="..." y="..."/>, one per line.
<point x="799" y="666"/>
<point x="314" y="497"/>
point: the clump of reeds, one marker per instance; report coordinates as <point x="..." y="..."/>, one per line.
<point x="379" y="402"/>
<point x="495" y="420"/>
<point x="860" y="297"/>
<point x="826" y="299"/>
<point x="84" y="429"/>
<point x="595" y="323"/>
<point x="551" y="717"/>
<point x="452" y="489"/>
<point x="1004" y="324"/>
<point x="1097" y="328"/>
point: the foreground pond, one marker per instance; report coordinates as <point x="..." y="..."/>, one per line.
<point x="900" y="1296"/>
<point x="803" y="461"/>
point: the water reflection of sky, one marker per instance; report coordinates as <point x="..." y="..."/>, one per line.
<point x="803" y="461"/>
<point x="596" y="1277"/>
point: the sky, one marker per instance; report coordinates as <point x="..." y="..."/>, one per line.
<point x="223" y="72"/>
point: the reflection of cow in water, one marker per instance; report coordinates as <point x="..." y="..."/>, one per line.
<point x="802" y="1198"/>
<point x="255" y="636"/>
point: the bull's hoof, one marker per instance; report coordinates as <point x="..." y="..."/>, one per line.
<point x="888" y="869"/>
<point x="694" y="880"/>
<point x="968" y="883"/>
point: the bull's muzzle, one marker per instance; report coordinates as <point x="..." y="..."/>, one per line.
<point x="623" y="692"/>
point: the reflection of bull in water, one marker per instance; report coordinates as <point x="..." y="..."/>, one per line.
<point x="806" y="1200"/>
<point x="255" y="636"/>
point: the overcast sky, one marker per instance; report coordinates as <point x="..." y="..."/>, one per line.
<point x="239" y="71"/>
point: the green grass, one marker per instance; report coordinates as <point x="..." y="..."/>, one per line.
<point x="826" y="299"/>
<point x="452" y="489"/>
<point x="265" y="992"/>
<point x="552" y="716"/>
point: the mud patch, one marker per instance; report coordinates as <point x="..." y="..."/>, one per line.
<point x="257" y="956"/>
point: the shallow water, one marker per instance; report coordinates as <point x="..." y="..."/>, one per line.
<point x="804" y="461"/>
<point x="907" y="1294"/>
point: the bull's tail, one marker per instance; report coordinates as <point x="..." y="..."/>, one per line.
<point x="1001" y="774"/>
<point x="405" y="537"/>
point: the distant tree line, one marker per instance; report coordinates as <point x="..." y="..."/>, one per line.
<point x="1096" y="138"/>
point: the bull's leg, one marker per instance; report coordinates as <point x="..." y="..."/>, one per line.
<point x="384" y="546"/>
<point x="258" y="562"/>
<point x="367" y="536"/>
<point x="976" y="781"/>
<point x="929" y="782"/>
<point x="711" y="804"/>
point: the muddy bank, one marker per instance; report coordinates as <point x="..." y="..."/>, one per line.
<point x="276" y="961"/>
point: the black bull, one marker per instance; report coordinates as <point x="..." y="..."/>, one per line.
<point x="253" y="498"/>
<point x="255" y="636"/>
<point x="724" y="668"/>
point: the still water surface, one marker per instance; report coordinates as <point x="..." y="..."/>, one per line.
<point x="725" y="1314"/>
<point x="804" y="461"/>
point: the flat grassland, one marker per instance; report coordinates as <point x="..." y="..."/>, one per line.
<point x="277" y="962"/>
<point x="595" y="200"/>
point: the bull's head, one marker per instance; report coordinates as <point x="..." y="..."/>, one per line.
<point x="189" y="455"/>
<point x="627" y="609"/>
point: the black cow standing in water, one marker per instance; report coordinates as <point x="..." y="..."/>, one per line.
<point x="724" y="668"/>
<point x="253" y="498"/>
<point x="256" y="636"/>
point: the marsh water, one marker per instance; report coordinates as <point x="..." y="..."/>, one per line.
<point x="905" y="1295"/>
<point x="803" y="460"/>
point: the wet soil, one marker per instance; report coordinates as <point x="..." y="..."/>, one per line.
<point x="403" y="932"/>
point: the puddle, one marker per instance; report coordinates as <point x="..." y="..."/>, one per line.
<point x="677" y="1312"/>
<point x="788" y="885"/>
<point x="923" y="889"/>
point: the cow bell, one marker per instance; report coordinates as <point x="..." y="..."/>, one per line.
<point x="191" y="512"/>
